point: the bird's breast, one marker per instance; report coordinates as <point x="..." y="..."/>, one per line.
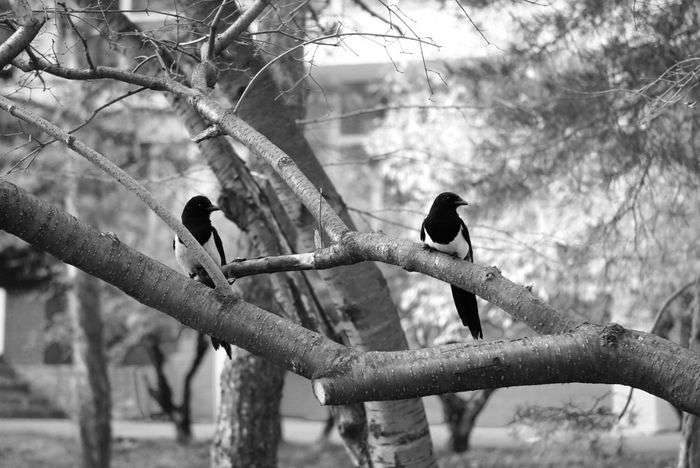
<point x="458" y="246"/>
<point x="186" y="259"/>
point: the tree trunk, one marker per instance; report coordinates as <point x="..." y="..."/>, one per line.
<point x="180" y="415"/>
<point x="92" y="391"/>
<point x="461" y="414"/>
<point x="248" y="429"/>
<point x="398" y="432"/>
<point x="689" y="452"/>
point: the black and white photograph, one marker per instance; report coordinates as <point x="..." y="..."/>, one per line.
<point x="349" y="234"/>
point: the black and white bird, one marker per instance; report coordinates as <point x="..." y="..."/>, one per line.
<point x="195" y="217"/>
<point x="445" y="231"/>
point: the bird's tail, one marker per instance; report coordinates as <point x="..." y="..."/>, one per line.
<point x="467" y="310"/>
<point x="216" y="343"/>
<point x="204" y="278"/>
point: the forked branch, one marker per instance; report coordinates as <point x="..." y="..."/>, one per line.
<point x="591" y="353"/>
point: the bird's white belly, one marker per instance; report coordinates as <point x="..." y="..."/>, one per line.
<point x="457" y="246"/>
<point x="186" y="259"/>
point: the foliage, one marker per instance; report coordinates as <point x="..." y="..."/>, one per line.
<point x="557" y="431"/>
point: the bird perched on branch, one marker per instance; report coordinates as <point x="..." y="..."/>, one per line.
<point x="444" y="230"/>
<point x="195" y="217"/>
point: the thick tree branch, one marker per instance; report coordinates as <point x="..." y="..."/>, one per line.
<point x="22" y="37"/>
<point x="592" y="354"/>
<point x="486" y="282"/>
<point x="127" y="181"/>
<point x="239" y="26"/>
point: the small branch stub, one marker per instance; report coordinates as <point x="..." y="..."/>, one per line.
<point x="320" y="391"/>
<point x="209" y="132"/>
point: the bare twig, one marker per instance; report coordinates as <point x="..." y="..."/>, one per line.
<point x="374" y="14"/>
<point x="102" y="72"/>
<point x="211" y="50"/>
<point x="377" y="109"/>
<point x="106" y="105"/>
<point x="80" y="36"/>
<point x="336" y="35"/>
<point x="469" y="18"/>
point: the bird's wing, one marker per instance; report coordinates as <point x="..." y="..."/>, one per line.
<point x="219" y="245"/>
<point x="465" y="234"/>
<point x="422" y="231"/>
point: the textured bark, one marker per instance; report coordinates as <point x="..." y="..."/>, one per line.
<point x="248" y="429"/>
<point x="92" y="391"/>
<point x="689" y="452"/>
<point x="248" y="426"/>
<point x="486" y="282"/>
<point x="22" y="36"/>
<point x="460" y="415"/>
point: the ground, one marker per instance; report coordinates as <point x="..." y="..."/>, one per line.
<point x="32" y="450"/>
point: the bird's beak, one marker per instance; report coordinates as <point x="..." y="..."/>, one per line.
<point x="461" y="202"/>
<point x="214" y="208"/>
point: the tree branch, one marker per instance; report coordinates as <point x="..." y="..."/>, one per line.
<point x="101" y="72"/>
<point x="486" y="282"/>
<point x="22" y="37"/>
<point x="592" y="354"/>
<point x="212" y="269"/>
<point x="241" y="24"/>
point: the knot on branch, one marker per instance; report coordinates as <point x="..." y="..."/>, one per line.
<point x="492" y="273"/>
<point x="209" y="132"/>
<point x="610" y="334"/>
<point x="284" y="161"/>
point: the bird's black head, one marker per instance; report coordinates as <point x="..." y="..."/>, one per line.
<point x="198" y="208"/>
<point x="447" y="202"/>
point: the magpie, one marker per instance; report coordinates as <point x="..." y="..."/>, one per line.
<point x="445" y="231"/>
<point x="195" y="217"/>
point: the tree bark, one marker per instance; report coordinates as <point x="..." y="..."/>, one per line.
<point x="248" y="425"/>
<point x="92" y="391"/>
<point x="689" y="452"/>
<point x="248" y="428"/>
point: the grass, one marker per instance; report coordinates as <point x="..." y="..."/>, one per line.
<point x="42" y="451"/>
